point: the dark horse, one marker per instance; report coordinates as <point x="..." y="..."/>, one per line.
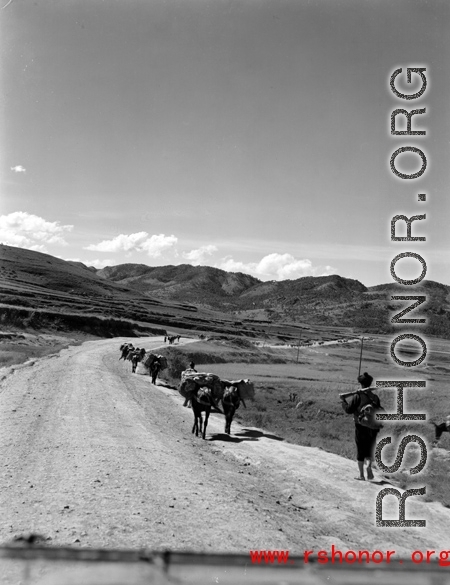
<point x="154" y="370"/>
<point x="231" y="400"/>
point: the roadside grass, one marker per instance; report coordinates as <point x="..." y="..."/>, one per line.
<point x="229" y="350"/>
<point x="10" y="356"/>
<point x="19" y="351"/>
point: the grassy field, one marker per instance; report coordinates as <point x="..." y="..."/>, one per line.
<point x="314" y="417"/>
<point x="17" y="348"/>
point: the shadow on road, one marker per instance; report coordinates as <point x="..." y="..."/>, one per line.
<point x="229" y="439"/>
<point x="381" y="482"/>
<point x="251" y="433"/>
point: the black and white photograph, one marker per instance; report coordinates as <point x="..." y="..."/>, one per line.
<point x="224" y="292"/>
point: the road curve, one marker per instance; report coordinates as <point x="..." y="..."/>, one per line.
<point x="91" y="455"/>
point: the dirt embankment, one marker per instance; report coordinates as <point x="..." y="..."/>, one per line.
<point x="26" y="319"/>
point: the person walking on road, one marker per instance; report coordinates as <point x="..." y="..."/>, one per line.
<point x="365" y="437"/>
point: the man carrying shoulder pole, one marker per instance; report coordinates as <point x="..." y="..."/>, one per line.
<point x="366" y="427"/>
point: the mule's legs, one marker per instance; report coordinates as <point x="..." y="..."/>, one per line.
<point x="195" y="427"/>
<point x="201" y="421"/>
<point x="229" y="413"/>
<point x="206" y="422"/>
<point x="197" y="419"/>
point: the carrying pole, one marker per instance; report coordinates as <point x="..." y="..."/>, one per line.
<point x="353" y="392"/>
<point x="360" y="356"/>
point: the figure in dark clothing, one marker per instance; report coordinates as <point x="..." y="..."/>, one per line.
<point x="190" y="370"/>
<point x="154" y="370"/>
<point x="439" y="429"/>
<point x="365" y="437"/>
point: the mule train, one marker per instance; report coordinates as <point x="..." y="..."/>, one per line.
<point x="206" y="390"/>
<point x="152" y="364"/>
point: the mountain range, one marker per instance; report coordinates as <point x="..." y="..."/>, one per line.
<point x="206" y="298"/>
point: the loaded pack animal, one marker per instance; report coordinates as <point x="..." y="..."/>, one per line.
<point x="231" y="401"/>
<point x="135" y="357"/>
<point x="201" y="402"/>
<point x="154" y="370"/>
<point x="204" y="390"/>
<point x="125" y="348"/>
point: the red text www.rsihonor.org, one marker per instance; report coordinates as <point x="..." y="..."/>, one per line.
<point x="350" y="557"/>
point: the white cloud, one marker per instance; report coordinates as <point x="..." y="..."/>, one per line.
<point x="19" y="169"/>
<point x="140" y="242"/>
<point x="35" y="247"/>
<point x="276" y="267"/>
<point x="155" y="245"/>
<point x="120" y="243"/>
<point x="200" y="255"/>
<point x="100" y="263"/>
<point x="25" y="230"/>
<point x="94" y="263"/>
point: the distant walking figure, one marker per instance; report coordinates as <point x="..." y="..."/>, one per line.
<point x="189" y="370"/>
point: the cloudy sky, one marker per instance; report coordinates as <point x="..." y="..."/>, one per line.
<point x="250" y="135"/>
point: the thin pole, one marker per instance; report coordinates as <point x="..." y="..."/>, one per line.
<point x="360" y="356"/>
<point x="298" y="346"/>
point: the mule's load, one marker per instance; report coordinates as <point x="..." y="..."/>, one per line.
<point x="149" y="359"/>
<point x="191" y="381"/>
<point x="163" y="362"/>
<point x="245" y="387"/>
<point x="152" y="357"/>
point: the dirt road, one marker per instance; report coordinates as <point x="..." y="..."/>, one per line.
<point x="91" y="455"/>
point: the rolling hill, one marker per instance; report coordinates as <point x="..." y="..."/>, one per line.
<point x="331" y="301"/>
<point x="51" y="291"/>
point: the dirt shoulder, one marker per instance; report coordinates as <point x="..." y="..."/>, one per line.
<point x="92" y="455"/>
